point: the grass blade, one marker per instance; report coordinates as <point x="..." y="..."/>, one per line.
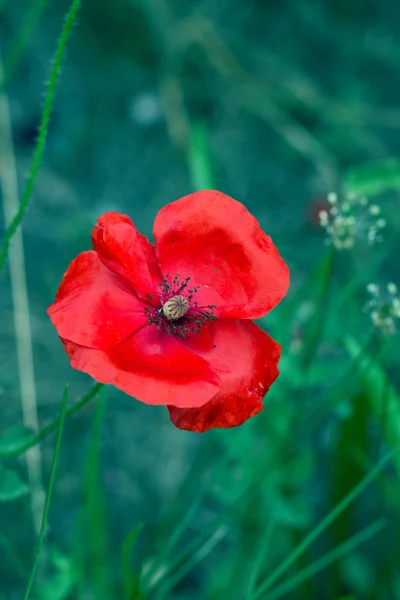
<point x="33" y="440"/>
<point x="200" y="554"/>
<point x="94" y="531"/>
<point x="199" y="158"/>
<point x="43" y="130"/>
<point x="49" y="493"/>
<point x="259" y="559"/>
<point x="10" y="554"/>
<point x="30" y="21"/>
<point x="127" y="549"/>
<point x="324" y="524"/>
<point x="320" y="564"/>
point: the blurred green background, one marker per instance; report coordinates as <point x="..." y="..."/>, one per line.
<point x="276" y="104"/>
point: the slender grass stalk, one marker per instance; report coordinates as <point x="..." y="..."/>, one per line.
<point x="93" y="519"/>
<point x="200" y="554"/>
<point x="43" y="130"/>
<point x="199" y="158"/>
<point x="315" y="336"/>
<point x="9" y="553"/>
<point x="260" y="556"/>
<point x="126" y="555"/>
<point x="29" y="23"/>
<point x="20" y="303"/>
<point x="324" y="524"/>
<point x="43" y="433"/>
<point x="49" y="493"/>
<point x="322" y="563"/>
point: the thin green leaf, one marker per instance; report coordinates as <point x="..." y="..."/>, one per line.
<point x="94" y="529"/>
<point x="347" y="471"/>
<point x="169" y="545"/>
<point x="374" y="178"/>
<point x="49" y="492"/>
<point x="11" y="485"/>
<point x="324" y="524"/>
<point x="174" y="567"/>
<point x="200" y="554"/>
<point x="362" y="276"/>
<point x="29" y="23"/>
<point x="9" y="449"/>
<point x="379" y="393"/>
<point x="13" y="558"/>
<point x="347" y="384"/>
<point x="314" y="336"/>
<point x="127" y="549"/>
<point x="260" y="557"/>
<point x="339" y="552"/>
<point x="200" y="162"/>
<point x="13" y="439"/>
<point x="43" y="129"/>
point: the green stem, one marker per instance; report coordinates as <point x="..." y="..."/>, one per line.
<point x="43" y="130"/>
<point x="324" y="524"/>
<point x="61" y="420"/>
<point x="43" y="433"/>
<point x="318" y="327"/>
<point x="324" y="562"/>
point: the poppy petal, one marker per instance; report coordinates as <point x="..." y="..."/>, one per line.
<point x="215" y="240"/>
<point x="246" y="360"/>
<point x="93" y="308"/>
<point x="127" y="253"/>
<point x="152" y="366"/>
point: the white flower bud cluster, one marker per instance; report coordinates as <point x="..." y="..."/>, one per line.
<point x="384" y="307"/>
<point x="352" y="218"/>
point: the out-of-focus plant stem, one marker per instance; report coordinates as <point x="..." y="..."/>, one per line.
<point x="20" y="302"/>
<point x="29" y="23"/>
<point x="49" y="494"/>
<point x="43" y="433"/>
<point x="43" y="130"/>
<point x="317" y="330"/>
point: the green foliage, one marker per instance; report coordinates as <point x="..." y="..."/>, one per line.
<point x="373" y="179"/>
<point x="43" y="128"/>
<point x="49" y="495"/>
<point x="11" y="485"/>
<point x="18" y="440"/>
<point x="30" y="22"/>
<point x="199" y="158"/>
<point x="62" y="582"/>
<point x="131" y="580"/>
<point x="379" y="395"/>
<point x="15" y="438"/>
<point x="162" y="99"/>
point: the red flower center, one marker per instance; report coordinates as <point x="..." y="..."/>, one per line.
<point x="178" y="313"/>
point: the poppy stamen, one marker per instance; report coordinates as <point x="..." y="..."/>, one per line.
<point x="178" y="315"/>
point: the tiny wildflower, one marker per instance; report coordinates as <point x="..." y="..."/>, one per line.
<point x="383" y="307"/>
<point x="346" y="220"/>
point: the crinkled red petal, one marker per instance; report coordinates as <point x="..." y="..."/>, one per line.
<point x="215" y="240"/>
<point x="127" y="253"/>
<point x="152" y="366"/>
<point x="246" y="361"/>
<point x="93" y="307"/>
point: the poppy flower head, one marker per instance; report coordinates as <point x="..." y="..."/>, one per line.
<point x="128" y="317"/>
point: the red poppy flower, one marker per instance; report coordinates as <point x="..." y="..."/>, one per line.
<point x="171" y="323"/>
